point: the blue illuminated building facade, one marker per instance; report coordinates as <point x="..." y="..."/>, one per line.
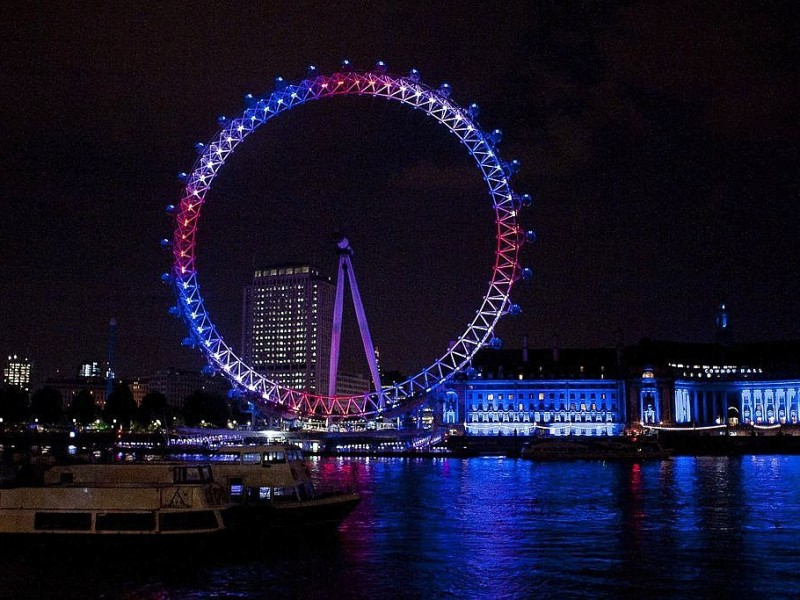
<point x="560" y="407"/>
<point x="601" y="392"/>
<point x="526" y="392"/>
<point x="715" y="384"/>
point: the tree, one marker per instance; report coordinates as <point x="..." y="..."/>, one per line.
<point x="83" y="408"/>
<point x="204" y="406"/>
<point x="153" y="407"/>
<point x="14" y="404"/>
<point x="47" y="405"/>
<point x="120" y="405"/>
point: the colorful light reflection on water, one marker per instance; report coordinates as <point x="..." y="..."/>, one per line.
<point x="495" y="528"/>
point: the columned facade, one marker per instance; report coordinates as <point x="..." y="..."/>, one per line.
<point x="753" y="402"/>
<point x="769" y="402"/>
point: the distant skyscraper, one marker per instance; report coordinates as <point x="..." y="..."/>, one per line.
<point x="90" y="369"/>
<point x="286" y="326"/>
<point x="18" y="372"/>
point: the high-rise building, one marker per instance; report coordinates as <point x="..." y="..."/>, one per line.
<point x="89" y="369"/>
<point x="18" y="372"/>
<point x="286" y="326"/>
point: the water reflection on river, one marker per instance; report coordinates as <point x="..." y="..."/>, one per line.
<point x="488" y="528"/>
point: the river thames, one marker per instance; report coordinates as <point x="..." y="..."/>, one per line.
<point x="495" y="528"/>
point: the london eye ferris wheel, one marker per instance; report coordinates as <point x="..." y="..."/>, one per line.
<point x="376" y="82"/>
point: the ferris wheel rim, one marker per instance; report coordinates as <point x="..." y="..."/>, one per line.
<point x="377" y="83"/>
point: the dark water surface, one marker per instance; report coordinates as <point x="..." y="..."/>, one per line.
<point x="484" y="528"/>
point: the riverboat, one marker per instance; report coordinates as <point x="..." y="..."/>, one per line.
<point x="612" y="448"/>
<point x="102" y="500"/>
<point x="270" y="486"/>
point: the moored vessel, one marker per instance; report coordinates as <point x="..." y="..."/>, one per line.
<point x="270" y="486"/>
<point x="612" y="448"/>
<point x="136" y="500"/>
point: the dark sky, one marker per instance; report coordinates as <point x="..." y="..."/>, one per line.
<point x="659" y="141"/>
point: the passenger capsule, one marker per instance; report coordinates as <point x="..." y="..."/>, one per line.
<point x="380" y="66"/>
<point x="166" y="278"/>
<point x="280" y="83"/>
<point x="208" y="370"/>
<point x="495" y="137"/>
<point x="199" y="146"/>
<point x="183" y="176"/>
<point x="445" y="90"/>
<point x="311" y="70"/>
<point x="174" y="311"/>
<point x="530" y="236"/>
<point x="414" y="75"/>
<point x="347" y="65"/>
<point x="165" y="243"/>
<point x="527" y="200"/>
<point x="474" y="110"/>
<point x="515" y="309"/>
<point x="222" y="119"/>
<point x="249" y="100"/>
<point x="527" y="274"/>
<point x="187" y="341"/>
<point x="512" y="167"/>
<point x="170" y="209"/>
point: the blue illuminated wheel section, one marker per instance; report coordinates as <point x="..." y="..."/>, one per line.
<point x="409" y="91"/>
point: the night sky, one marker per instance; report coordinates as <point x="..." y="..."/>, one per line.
<point x="659" y="141"/>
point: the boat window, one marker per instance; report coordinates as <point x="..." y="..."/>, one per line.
<point x="125" y="522"/>
<point x="264" y="493"/>
<point x="62" y="521"/>
<point x="251" y="458"/>
<point x="187" y="520"/>
<point x="192" y="474"/>
<point x="226" y="457"/>
<point x="236" y="488"/>
<point x="276" y="456"/>
<point x="283" y="491"/>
